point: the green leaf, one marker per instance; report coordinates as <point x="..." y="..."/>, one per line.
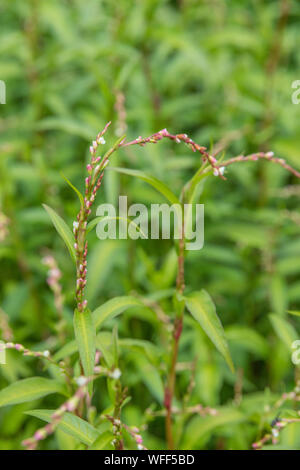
<point x="284" y="330"/>
<point x="63" y="230"/>
<point x="157" y="184"/>
<point x="194" y="186"/>
<point x="104" y="344"/>
<point x="101" y="259"/>
<point x="95" y="222"/>
<point x="107" y="311"/>
<point x="67" y="125"/>
<point x="80" y="197"/>
<point x="150" y="349"/>
<point x="114" y="307"/>
<point x="278" y="294"/>
<point x="103" y="441"/>
<point x="85" y="335"/>
<point x="115" y="346"/>
<point x="114" y="147"/>
<point x="199" y="427"/>
<point x="29" y="389"/>
<point x="248" y="339"/>
<point x="150" y="376"/>
<point x="65" y="441"/>
<point x="294" y="312"/>
<point x="70" y="424"/>
<point x="67" y="350"/>
<point x="203" y="310"/>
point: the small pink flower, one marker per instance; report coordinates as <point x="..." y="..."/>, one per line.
<point x="39" y="435"/>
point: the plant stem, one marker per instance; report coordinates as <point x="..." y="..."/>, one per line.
<point x="169" y="390"/>
<point x="178" y="325"/>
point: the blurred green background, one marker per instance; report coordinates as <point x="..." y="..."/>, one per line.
<point x="218" y="70"/>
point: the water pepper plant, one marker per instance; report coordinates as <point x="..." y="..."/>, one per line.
<point x="91" y="423"/>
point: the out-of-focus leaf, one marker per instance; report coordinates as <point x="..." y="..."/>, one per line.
<point x="150" y="376"/>
<point x="101" y="259"/>
<point x="29" y="389"/>
<point x="97" y="220"/>
<point x="150" y="349"/>
<point x="104" y="344"/>
<point x="65" y="441"/>
<point x="278" y="294"/>
<point x="199" y="427"/>
<point x="248" y="339"/>
<point x="294" y="312"/>
<point x="284" y="330"/>
<point x="67" y="125"/>
<point x="67" y="350"/>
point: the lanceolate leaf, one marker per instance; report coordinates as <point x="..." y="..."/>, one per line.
<point x="199" y="427"/>
<point x="63" y="230"/>
<point x="96" y="221"/>
<point x="104" y="344"/>
<point x="108" y="310"/>
<point x="294" y="312"/>
<point x="114" y="307"/>
<point x="203" y="310"/>
<point x="248" y="338"/>
<point x="29" y="389"/>
<point x="284" y="330"/>
<point x="85" y="335"/>
<point x="70" y="424"/>
<point x="150" y="349"/>
<point x="103" y="441"/>
<point x="150" y="376"/>
<point x="103" y="340"/>
<point x="67" y="350"/>
<point x="157" y="184"/>
<point x="80" y="196"/>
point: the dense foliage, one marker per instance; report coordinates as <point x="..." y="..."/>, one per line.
<point x="220" y="71"/>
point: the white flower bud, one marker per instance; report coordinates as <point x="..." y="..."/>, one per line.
<point x="116" y="374"/>
<point x="81" y="381"/>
